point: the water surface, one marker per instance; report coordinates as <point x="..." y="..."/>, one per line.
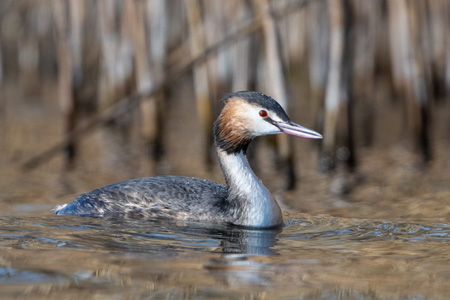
<point x="310" y="258"/>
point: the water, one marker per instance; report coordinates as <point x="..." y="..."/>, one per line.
<point x="310" y="258"/>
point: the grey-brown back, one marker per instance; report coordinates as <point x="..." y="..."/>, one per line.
<point x="177" y="197"/>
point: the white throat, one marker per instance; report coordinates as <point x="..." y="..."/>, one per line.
<point x="257" y="205"/>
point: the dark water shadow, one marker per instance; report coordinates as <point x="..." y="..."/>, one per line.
<point x="160" y="237"/>
<point x="165" y="236"/>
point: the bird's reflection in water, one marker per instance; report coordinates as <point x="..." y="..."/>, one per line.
<point x="242" y="262"/>
<point x="242" y="250"/>
<point x="231" y="239"/>
<point x="249" y="241"/>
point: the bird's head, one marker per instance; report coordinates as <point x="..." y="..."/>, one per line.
<point x="247" y="115"/>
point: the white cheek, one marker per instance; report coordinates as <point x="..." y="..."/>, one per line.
<point x="258" y="125"/>
<point x="264" y="128"/>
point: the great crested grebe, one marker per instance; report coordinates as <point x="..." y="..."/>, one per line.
<point x="244" y="201"/>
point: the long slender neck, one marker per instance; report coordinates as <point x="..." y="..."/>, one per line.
<point x="249" y="202"/>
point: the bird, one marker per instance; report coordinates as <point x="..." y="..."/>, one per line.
<point x="243" y="201"/>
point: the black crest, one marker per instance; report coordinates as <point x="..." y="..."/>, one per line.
<point x="262" y="100"/>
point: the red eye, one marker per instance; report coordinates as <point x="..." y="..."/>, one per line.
<point x="263" y="113"/>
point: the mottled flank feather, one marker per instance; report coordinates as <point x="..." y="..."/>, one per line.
<point x="183" y="198"/>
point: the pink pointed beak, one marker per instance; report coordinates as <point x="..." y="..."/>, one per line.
<point x="298" y="130"/>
